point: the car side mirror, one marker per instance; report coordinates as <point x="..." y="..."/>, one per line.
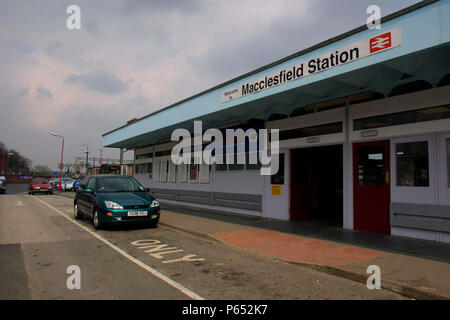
<point x="88" y="190"/>
<point x="146" y="189"/>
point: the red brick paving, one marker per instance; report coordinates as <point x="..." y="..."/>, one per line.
<point x="297" y="248"/>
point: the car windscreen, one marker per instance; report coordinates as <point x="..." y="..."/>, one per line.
<point x="40" y="181"/>
<point x="118" y="184"/>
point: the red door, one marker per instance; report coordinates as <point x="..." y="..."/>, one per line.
<point x="371" y="188"/>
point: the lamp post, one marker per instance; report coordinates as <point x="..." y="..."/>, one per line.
<point x="86" y="150"/>
<point x="62" y="154"/>
<point x="5" y="161"/>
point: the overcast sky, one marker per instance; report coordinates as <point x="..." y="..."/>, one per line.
<point x="132" y="57"/>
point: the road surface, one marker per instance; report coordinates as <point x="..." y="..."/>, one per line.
<point x="40" y="239"/>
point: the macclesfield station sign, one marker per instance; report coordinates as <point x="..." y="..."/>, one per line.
<point x="355" y="51"/>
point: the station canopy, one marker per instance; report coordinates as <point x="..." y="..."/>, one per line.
<point x="410" y="52"/>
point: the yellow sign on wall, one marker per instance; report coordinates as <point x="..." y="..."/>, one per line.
<point x="276" y="190"/>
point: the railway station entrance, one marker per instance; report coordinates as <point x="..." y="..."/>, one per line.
<point x="317" y="185"/>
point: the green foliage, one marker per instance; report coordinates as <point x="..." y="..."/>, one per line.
<point x="42" y="171"/>
<point x="18" y="164"/>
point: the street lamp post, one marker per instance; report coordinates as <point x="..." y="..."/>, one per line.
<point x="62" y="154"/>
<point x="87" y="156"/>
<point x="5" y="161"/>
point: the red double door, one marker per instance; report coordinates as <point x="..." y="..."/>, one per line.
<point x="371" y="186"/>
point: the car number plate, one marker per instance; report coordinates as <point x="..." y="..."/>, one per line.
<point x="137" y="213"/>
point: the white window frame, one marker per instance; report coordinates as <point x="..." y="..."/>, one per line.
<point x="406" y="194"/>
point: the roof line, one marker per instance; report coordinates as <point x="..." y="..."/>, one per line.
<point x="322" y="44"/>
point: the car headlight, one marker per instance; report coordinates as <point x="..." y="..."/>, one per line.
<point x="112" y="205"/>
<point x="154" y="204"/>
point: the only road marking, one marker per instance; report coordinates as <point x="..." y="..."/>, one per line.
<point x="154" y="272"/>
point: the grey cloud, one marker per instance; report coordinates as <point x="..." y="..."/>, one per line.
<point x="100" y="81"/>
<point x="287" y="36"/>
<point x="43" y="93"/>
<point x="163" y="6"/>
<point x="135" y="35"/>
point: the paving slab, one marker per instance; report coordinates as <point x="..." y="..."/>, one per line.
<point x="409" y="275"/>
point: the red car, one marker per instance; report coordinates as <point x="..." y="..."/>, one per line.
<point x="40" y="185"/>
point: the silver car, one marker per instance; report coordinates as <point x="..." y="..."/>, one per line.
<point x="68" y="185"/>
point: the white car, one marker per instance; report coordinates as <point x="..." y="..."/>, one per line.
<point x="2" y="184"/>
<point x="68" y="185"/>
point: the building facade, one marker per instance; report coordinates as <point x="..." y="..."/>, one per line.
<point x="364" y="133"/>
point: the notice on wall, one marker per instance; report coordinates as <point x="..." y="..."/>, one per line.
<point x="172" y="169"/>
<point x="182" y="173"/>
<point x="204" y="173"/>
<point x="193" y="172"/>
<point x="156" y="171"/>
<point x="276" y="190"/>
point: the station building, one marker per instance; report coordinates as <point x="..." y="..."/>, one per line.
<point x="364" y="122"/>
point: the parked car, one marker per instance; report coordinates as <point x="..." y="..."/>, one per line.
<point x="67" y="185"/>
<point x="54" y="182"/>
<point x="115" y="199"/>
<point x="40" y="185"/>
<point x="2" y="186"/>
<point x="76" y="185"/>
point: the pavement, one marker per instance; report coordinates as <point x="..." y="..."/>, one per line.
<point x="414" y="268"/>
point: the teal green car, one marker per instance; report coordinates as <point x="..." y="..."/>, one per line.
<point x="115" y="199"/>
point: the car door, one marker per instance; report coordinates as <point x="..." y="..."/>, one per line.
<point x="81" y="196"/>
<point x="90" y="196"/>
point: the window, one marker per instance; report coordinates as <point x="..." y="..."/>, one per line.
<point x="371" y="167"/>
<point x="140" y="168"/>
<point x="163" y="170"/>
<point x="149" y="167"/>
<point x="84" y="182"/>
<point x="236" y="166"/>
<point x="412" y="164"/>
<point x="144" y="156"/>
<point x="182" y="172"/>
<point x="204" y="173"/>
<point x="91" y="184"/>
<point x="328" y="128"/>
<point x="171" y="172"/>
<point x="163" y="153"/>
<point x="250" y="166"/>
<point x="426" y="114"/>
<point x="278" y="178"/>
<point x="118" y="184"/>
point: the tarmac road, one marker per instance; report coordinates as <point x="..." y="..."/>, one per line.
<point x="39" y="239"/>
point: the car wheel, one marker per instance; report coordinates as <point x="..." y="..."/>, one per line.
<point x="97" y="220"/>
<point x="152" y="225"/>
<point x="32" y="193"/>
<point x="50" y="193"/>
<point x="76" y="213"/>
